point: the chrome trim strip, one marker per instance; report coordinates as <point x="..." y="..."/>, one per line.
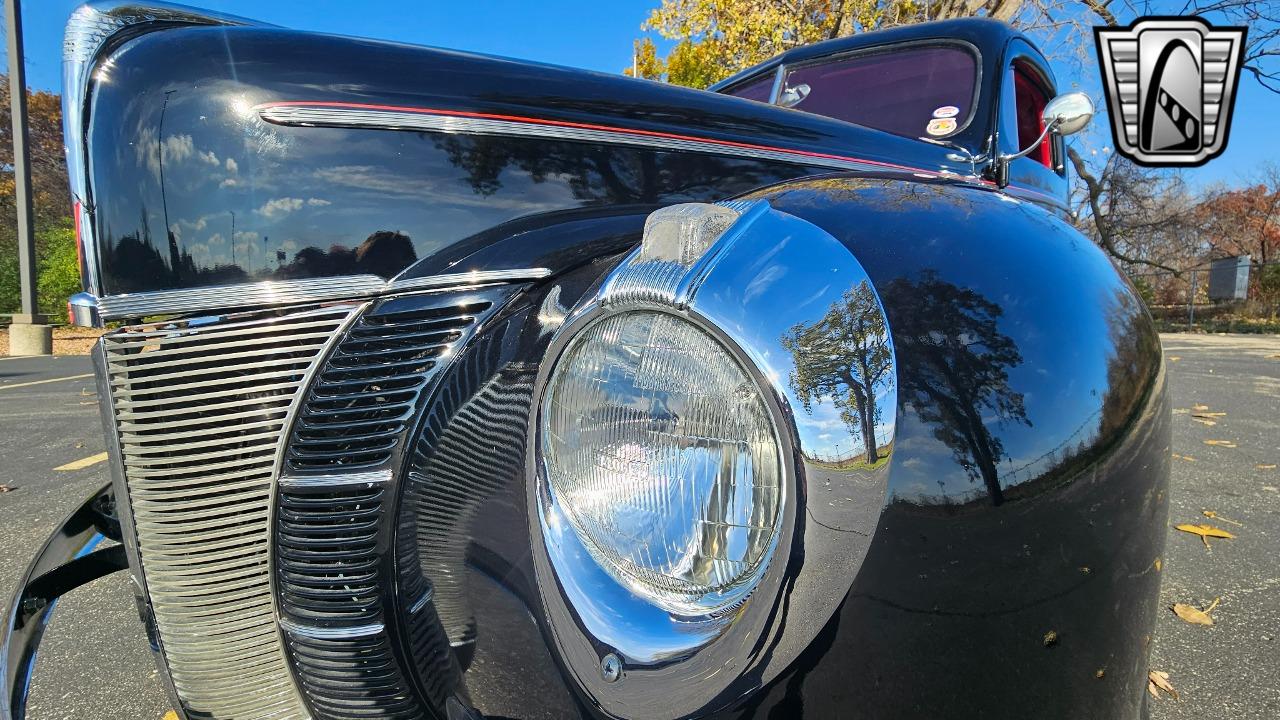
<point x="89" y="31"/>
<point x="372" y="477"/>
<point x="475" y="277"/>
<point x="314" y="115"/>
<point x="332" y="633"/>
<point x="259" y="294"/>
<point x="426" y="120"/>
<point x="269" y="293"/>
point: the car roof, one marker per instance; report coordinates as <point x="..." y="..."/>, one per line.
<point x="989" y="36"/>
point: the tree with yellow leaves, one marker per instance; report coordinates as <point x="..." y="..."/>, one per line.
<point x="716" y="38"/>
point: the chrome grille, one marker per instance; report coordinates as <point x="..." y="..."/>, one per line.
<point x="361" y="402"/>
<point x="332" y="501"/>
<point x="201" y="407"/>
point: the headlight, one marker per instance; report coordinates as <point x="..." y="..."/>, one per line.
<point x="660" y="450"/>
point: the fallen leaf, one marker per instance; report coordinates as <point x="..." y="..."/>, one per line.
<point x="1188" y="458"/>
<point x="79" y="445"/>
<point x="1215" y="516"/>
<point x="1158" y="680"/>
<point x="1209" y="414"/>
<point x="1100" y="673"/>
<point x="1175" y="358"/>
<point x="1204" y="421"/>
<point x="1205" y="532"/>
<point x="1221" y="443"/>
<point x="1180" y="411"/>
<point x="7" y="488"/>
<point x="1195" y="615"/>
<point x="1199" y="408"/>
<point x="1051" y="638"/>
<point x="1266" y="466"/>
<point x="1158" y="564"/>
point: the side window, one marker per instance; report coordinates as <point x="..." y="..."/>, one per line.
<point x="759" y="89"/>
<point x="1025" y="96"/>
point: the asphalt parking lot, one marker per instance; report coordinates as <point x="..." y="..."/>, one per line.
<point x="94" y="661"/>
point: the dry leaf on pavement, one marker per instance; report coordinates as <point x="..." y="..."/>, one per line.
<point x="1175" y="358"/>
<point x="1205" y="532"/>
<point x="1199" y="407"/>
<point x="7" y="488"/>
<point x="1221" y="443"/>
<point x="1158" y="680"/>
<point x="1195" y="615"/>
<point x="1213" y="515"/>
<point x="1188" y="458"/>
<point x="1266" y="466"/>
<point x="1205" y="417"/>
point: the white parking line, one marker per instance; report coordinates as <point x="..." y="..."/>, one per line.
<point x="42" y="382"/>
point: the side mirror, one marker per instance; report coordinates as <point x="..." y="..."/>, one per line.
<point x="1068" y="114"/>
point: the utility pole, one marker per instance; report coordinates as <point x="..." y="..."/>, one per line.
<point x="29" y="335"/>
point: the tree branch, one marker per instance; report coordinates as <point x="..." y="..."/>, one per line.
<point x="1105" y="236"/>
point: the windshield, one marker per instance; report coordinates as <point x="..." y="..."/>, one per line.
<point x="923" y="91"/>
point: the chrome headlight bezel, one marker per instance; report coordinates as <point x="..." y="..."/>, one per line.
<point x="746" y="283"/>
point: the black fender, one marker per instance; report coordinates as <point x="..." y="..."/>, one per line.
<point x="1016" y="566"/>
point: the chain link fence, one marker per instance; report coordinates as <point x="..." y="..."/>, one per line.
<point x="1184" y="302"/>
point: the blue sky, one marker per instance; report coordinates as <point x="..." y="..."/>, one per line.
<point x="597" y="36"/>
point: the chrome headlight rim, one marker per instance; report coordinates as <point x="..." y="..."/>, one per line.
<point x="765" y="275"/>
<point x="566" y="547"/>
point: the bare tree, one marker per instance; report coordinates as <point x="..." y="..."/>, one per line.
<point x="1140" y="216"/>
<point x="1144" y="216"/>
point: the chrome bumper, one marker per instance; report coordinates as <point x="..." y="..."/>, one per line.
<point x="69" y="558"/>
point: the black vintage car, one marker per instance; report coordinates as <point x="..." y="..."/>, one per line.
<point x="450" y="386"/>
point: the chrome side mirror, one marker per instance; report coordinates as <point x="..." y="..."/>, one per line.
<point x="1067" y="114"/>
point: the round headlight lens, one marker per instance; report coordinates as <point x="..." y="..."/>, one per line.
<point x="661" y="452"/>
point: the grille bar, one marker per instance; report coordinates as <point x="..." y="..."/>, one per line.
<point x="202" y="409"/>
<point x="334" y="503"/>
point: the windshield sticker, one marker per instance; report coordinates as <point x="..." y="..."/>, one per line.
<point x="946" y="111"/>
<point x="941" y="126"/>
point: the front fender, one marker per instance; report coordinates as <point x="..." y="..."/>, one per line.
<point x="1017" y="561"/>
